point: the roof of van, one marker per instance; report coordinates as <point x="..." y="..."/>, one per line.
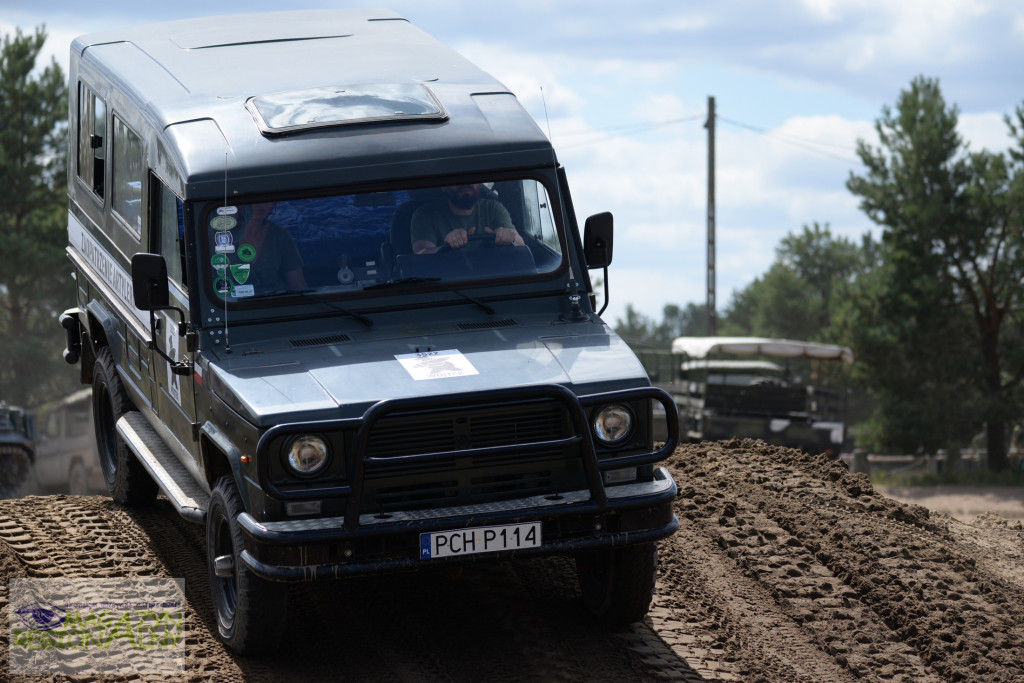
<point x="702" y="347"/>
<point x="192" y="80"/>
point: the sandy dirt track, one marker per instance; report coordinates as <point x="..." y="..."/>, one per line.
<point x="786" y="567"/>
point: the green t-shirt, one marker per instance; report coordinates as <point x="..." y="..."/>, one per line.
<point x="276" y="254"/>
<point x="431" y="222"/>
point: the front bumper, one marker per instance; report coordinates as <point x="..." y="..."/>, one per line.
<point x="309" y="550"/>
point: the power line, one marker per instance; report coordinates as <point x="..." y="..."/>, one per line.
<point x="610" y="132"/>
<point x="804" y="143"/>
<point x="623" y="130"/>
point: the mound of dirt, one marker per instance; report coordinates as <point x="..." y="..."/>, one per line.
<point x="786" y="567"/>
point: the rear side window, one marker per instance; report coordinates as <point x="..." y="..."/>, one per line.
<point x="126" y="176"/>
<point x="92" y="143"/>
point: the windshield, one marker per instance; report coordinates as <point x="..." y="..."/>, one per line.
<point x="350" y="243"/>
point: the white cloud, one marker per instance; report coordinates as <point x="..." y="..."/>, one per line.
<point x="649" y="291"/>
<point x="985" y="131"/>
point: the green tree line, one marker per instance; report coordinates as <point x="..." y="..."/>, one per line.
<point x="932" y="308"/>
<point x="35" y="285"/>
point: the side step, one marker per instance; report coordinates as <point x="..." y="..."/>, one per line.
<point x="170" y="475"/>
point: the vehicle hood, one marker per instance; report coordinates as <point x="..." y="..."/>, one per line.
<point x="342" y="380"/>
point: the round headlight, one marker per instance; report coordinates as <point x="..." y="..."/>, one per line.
<point x="307" y="455"/>
<point x="613" y="423"/>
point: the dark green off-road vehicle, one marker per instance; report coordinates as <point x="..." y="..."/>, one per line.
<point x="283" y="336"/>
<point x="17" y="450"/>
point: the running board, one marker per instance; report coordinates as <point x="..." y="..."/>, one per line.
<point x="190" y="499"/>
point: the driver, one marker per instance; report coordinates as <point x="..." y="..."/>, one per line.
<point x="461" y="214"/>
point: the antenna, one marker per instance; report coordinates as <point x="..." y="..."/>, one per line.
<point x="546" y="119"/>
<point x="227" y="341"/>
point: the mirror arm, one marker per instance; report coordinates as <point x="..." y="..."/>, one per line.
<point x="183" y="367"/>
<point x="605" y="272"/>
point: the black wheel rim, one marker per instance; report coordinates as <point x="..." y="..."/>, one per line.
<point x="226" y="588"/>
<point x="106" y="445"/>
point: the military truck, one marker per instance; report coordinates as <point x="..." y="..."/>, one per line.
<point x="17" y="454"/>
<point x="66" y="457"/>
<point x="776" y="390"/>
<point x="281" y="339"/>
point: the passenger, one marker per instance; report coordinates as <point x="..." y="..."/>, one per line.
<point x="450" y="222"/>
<point x="276" y="262"/>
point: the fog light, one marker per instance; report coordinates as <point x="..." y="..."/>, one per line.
<point x="620" y="476"/>
<point x="302" y="507"/>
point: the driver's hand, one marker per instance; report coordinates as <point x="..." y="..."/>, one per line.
<point x="458" y="237"/>
<point x="503" y="236"/>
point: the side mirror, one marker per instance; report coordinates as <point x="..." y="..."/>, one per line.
<point x="151" y="293"/>
<point x="597" y="240"/>
<point x="149" y="282"/>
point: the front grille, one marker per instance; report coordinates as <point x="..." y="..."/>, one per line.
<point x="467" y="428"/>
<point x="464" y="478"/>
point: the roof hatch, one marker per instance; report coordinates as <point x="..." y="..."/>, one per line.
<point x="296" y="110"/>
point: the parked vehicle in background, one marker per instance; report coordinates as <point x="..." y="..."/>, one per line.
<point x="780" y="396"/>
<point x="297" y="324"/>
<point x="17" y="453"/>
<point x="67" y="460"/>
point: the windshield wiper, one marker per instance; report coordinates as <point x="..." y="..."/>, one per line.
<point x="278" y="293"/>
<point x="401" y="282"/>
<point x="422" y="280"/>
<point x="304" y="293"/>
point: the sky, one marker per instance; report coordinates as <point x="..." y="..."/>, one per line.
<point x="622" y="90"/>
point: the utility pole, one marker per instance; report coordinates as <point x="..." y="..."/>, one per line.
<point x="710" y="125"/>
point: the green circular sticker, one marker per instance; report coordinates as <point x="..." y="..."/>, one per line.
<point x="246" y="252"/>
<point x="219" y="261"/>
<point x="222" y="286"/>
<point x="223" y="222"/>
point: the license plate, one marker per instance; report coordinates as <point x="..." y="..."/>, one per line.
<point x="482" y="539"/>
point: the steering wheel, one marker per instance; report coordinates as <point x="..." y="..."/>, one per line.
<point x="487" y="237"/>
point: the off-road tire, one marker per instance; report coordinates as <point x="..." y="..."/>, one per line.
<point x="127" y="480"/>
<point x="618" y="584"/>
<point x="250" y="611"/>
<point x="17" y="472"/>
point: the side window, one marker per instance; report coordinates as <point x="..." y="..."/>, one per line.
<point x="168" y="227"/>
<point x="92" y="143"/>
<point x="539" y="220"/>
<point x="126" y="176"/>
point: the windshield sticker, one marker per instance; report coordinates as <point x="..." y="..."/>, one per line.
<point x="219" y="261"/>
<point x="246" y="252"/>
<point x="437" y="364"/>
<point x="227" y="210"/>
<point x="223" y="223"/>
<point x="242" y="291"/>
<point x="222" y="286"/>
<point x="225" y="243"/>
<point x="240" y="272"/>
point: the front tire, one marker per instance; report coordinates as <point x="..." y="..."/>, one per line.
<point x="127" y="480"/>
<point x="250" y="611"/>
<point x="618" y="584"/>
